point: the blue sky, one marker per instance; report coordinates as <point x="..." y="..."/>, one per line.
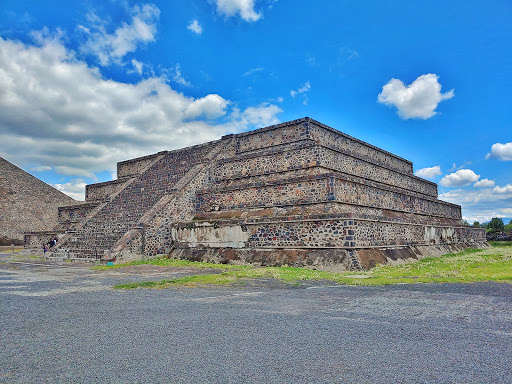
<point x="84" y="84"/>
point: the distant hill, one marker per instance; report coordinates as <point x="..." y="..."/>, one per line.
<point x="26" y="203"/>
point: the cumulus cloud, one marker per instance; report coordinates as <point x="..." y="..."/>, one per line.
<point x="460" y="178"/>
<point x="478" y="204"/>
<point x="262" y="115"/>
<point x="484" y="183"/>
<point x="503" y="190"/>
<point x="417" y="100"/>
<point x="243" y="8"/>
<point x="195" y="27"/>
<point x="500" y="151"/>
<point x="429" y="173"/>
<point x="74" y="188"/>
<point x="112" y="47"/>
<point x="62" y="113"/>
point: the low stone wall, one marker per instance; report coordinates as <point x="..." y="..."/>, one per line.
<point x="329" y="137"/>
<point x="354" y="166"/>
<point x="34" y="240"/>
<point x="323" y="188"/>
<point x="101" y="191"/>
<point x="331" y="259"/>
<point x="271" y="136"/>
<point x="318" y="233"/>
<point x="74" y="213"/>
<point x="274" y="136"/>
<point x="310" y="155"/>
<point x="134" y="167"/>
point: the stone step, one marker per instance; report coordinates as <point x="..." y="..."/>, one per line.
<point x="82" y="255"/>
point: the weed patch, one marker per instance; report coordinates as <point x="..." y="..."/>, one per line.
<point x="471" y="265"/>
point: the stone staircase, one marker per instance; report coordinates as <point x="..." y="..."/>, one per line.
<point x="68" y="247"/>
<point x="153" y="226"/>
<point x="90" y="239"/>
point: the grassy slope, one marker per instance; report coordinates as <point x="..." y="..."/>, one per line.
<point x="472" y="265"/>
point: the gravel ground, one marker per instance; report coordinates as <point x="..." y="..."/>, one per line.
<point x="62" y="323"/>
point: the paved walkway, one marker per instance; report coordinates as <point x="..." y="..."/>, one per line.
<point x="62" y="322"/>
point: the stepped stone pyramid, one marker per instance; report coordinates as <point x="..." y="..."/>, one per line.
<point x="26" y="203"/>
<point x="297" y="193"/>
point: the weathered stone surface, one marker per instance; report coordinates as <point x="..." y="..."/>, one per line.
<point x="298" y="193"/>
<point x="26" y="203"/>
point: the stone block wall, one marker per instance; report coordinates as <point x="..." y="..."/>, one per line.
<point x="134" y="167"/>
<point x="349" y="233"/>
<point x="323" y="188"/>
<point x="75" y="213"/>
<point x="101" y="191"/>
<point x="273" y="136"/>
<point x="36" y="240"/>
<point x="354" y="166"/>
<point x="338" y="141"/>
<point x="308" y="154"/>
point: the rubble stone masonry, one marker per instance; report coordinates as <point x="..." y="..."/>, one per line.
<point x="26" y="203"/>
<point x="298" y="193"/>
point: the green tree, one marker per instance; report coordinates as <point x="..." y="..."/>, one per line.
<point x="496" y="224"/>
<point x="476" y="223"/>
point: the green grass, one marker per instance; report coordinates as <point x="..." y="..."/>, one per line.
<point x="236" y="275"/>
<point x="163" y="262"/>
<point x="501" y="243"/>
<point x="471" y="265"/>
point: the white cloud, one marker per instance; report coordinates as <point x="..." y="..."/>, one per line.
<point x="506" y="189"/>
<point x="137" y="67"/>
<point x="44" y="34"/>
<point x="478" y="204"/>
<point x="243" y="8"/>
<point x="62" y="113"/>
<point x="482" y="216"/>
<point x="429" y="173"/>
<point x="252" y="71"/>
<point x="459" y="179"/>
<point x="41" y="168"/>
<point x="75" y="189"/>
<point x="195" y="27"/>
<point x="507" y="211"/>
<point x="484" y="183"/>
<point x="211" y="107"/>
<point x="500" y="151"/>
<point x="456" y="167"/>
<point x="178" y="77"/>
<point x="261" y="116"/>
<point x="112" y="47"/>
<point x="304" y="89"/>
<point x="416" y="100"/>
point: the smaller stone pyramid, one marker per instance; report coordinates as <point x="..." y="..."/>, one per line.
<point x="27" y="204"/>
